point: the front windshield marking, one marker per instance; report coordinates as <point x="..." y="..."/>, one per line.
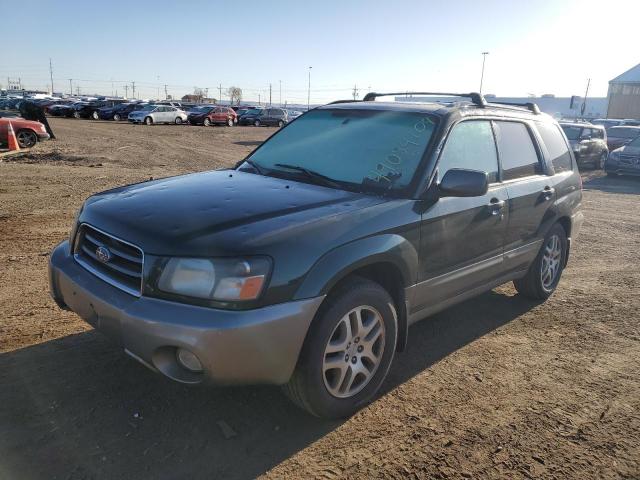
<point x="380" y="149"/>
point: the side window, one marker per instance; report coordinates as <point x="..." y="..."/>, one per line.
<point x="517" y="153"/>
<point x="586" y="133"/>
<point x="470" y="145"/>
<point x="556" y="146"/>
<point x="597" y="133"/>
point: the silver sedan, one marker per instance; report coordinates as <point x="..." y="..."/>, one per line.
<point x="158" y="114"/>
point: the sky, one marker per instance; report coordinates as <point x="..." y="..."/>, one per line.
<point x="535" y="46"/>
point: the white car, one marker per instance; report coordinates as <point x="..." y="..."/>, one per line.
<point x="158" y="114"/>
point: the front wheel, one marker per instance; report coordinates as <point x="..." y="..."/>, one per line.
<point x="116" y="117"/>
<point x="148" y="121"/>
<point x="347" y="352"/>
<point x="206" y="122"/>
<point x="178" y="121"/>
<point x="26" y="138"/>
<point x="95" y="115"/>
<point x="544" y="273"/>
<point x="230" y="122"/>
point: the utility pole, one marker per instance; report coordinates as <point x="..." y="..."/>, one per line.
<point x="126" y="91"/>
<point x="133" y="89"/>
<point x="584" y="101"/>
<point x="166" y="95"/>
<point x="259" y="100"/>
<point x="70" y="87"/>
<point x="484" y="57"/>
<point x="269" y="94"/>
<point x="78" y="90"/>
<point x="51" y="74"/>
<point x="220" y="90"/>
<point x="355" y="92"/>
<point x="280" y="92"/>
<point x="309" y="90"/>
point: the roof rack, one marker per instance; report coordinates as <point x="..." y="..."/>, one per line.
<point x="532" y="107"/>
<point x="475" y="97"/>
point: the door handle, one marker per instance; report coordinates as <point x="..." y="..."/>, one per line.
<point x="495" y="206"/>
<point x="548" y="192"/>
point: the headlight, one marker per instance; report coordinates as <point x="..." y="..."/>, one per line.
<point x="74" y="226"/>
<point x="221" y="279"/>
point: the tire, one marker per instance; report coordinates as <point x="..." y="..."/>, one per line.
<point x="207" y="122"/>
<point x="544" y="273"/>
<point x="337" y="392"/>
<point x="599" y="164"/>
<point x="26" y="138"/>
<point x="95" y="115"/>
<point x="230" y="122"/>
<point x="116" y="117"/>
<point x="280" y="123"/>
<point x="148" y="121"/>
<point x="76" y="114"/>
<point x="178" y="121"/>
<point x="256" y="123"/>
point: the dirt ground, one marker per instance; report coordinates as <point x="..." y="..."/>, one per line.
<point x="498" y="387"/>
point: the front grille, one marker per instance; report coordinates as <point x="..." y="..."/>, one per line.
<point x="122" y="264"/>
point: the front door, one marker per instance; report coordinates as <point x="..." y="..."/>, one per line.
<point x="462" y="238"/>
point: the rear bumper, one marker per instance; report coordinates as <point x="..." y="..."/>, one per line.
<point x="258" y="346"/>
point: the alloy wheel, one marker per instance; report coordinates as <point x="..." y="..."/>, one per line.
<point x="551" y="260"/>
<point x="26" y="139"/>
<point x="354" y="352"/>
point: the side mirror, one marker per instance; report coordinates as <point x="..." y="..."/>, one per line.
<point x="459" y="182"/>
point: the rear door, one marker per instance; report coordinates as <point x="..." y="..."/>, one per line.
<point x="587" y="144"/>
<point x="462" y="238"/>
<point x="531" y="192"/>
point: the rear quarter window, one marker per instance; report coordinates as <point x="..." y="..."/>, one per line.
<point x="556" y="146"/>
<point x="518" y="155"/>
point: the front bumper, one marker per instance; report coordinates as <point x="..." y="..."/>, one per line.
<point x="259" y="346"/>
<point x="136" y="119"/>
<point x="43" y="136"/>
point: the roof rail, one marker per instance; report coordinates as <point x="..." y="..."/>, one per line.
<point x="475" y="97"/>
<point x="532" y="107"/>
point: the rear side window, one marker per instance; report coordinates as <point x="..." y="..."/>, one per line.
<point x="597" y="133"/>
<point x="556" y="146"/>
<point x="470" y="145"/>
<point x="517" y="153"/>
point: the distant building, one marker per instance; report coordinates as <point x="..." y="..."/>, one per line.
<point x="558" y="107"/>
<point x="191" y="98"/>
<point x="624" y="95"/>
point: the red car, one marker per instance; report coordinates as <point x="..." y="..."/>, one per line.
<point x="212" y="115"/>
<point x="27" y="132"/>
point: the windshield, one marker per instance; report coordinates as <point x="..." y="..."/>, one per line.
<point x="572" y="133"/>
<point x="373" y="148"/>
<point x="619" y="132"/>
<point x="634" y="143"/>
<point x="148" y="107"/>
<point x="202" y="109"/>
<point x="253" y="111"/>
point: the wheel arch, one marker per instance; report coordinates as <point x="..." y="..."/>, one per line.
<point x="389" y="260"/>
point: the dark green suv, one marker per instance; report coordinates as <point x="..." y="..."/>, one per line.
<point x="306" y="264"/>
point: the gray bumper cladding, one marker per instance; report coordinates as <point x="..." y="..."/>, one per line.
<point x="259" y="346"/>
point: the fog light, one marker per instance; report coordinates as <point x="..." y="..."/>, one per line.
<point x="188" y="360"/>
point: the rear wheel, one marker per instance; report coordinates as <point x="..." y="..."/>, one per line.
<point x="26" y="138"/>
<point x="178" y="121"/>
<point x="281" y="123"/>
<point x="230" y="122"/>
<point x="76" y="114"/>
<point x="148" y="121"/>
<point x="207" y="122"/>
<point x="256" y="123"/>
<point x="116" y="117"/>
<point x="347" y="352"/>
<point x="544" y="274"/>
<point x="95" y="115"/>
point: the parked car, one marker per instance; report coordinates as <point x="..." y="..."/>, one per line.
<point x="588" y="142"/>
<point x="63" y="109"/>
<point x="274" y="117"/>
<point x="620" y="136"/>
<point x="158" y="114"/>
<point x="625" y="160"/>
<point x="249" y="117"/>
<point x="305" y="265"/>
<point x="92" y="109"/>
<point x="212" y="115"/>
<point x="28" y="132"/>
<point x="293" y="114"/>
<point x="120" y="111"/>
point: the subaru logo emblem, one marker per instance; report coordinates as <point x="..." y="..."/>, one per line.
<point x="103" y="254"/>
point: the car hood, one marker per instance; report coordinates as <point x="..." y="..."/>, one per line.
<point x="216" y="213"/>
<point x="628" y="150"/>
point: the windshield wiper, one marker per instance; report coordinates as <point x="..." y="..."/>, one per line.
<point x="315" y="176"/>
<point x="255" y="166"/>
